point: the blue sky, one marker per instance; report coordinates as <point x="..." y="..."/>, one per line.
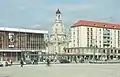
<point x="32" y="13"/>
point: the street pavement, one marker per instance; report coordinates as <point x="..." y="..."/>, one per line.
<point x="62" y="70"/>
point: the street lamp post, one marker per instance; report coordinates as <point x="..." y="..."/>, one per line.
<point x="1" y="56"/>
<point x="94" y="47"/>
<point x="94" y="54"/>
<point x="47" y="44"/>
<point x="4" y="56"/>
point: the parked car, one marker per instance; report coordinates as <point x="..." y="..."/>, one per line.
<point x="28" y="62"/>
<point x="6" y="63"/>
<point x="64" y="61"/>
<point x="35" y="62"/>
<point x="1" y="65"/>
<point x="81" y="61"/>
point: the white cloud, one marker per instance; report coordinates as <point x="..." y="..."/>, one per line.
<point x="98" y="10"/>
<point x="38" y="11"/>
<point x="22" y="7"/>
<point x="69" y="7"/>
<point x="1" y="20"/>
<point x="36" y="26"/>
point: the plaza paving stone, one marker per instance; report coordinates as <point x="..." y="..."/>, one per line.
<point x="62" y="70"/>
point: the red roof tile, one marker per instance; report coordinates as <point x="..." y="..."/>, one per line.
<point x="95" y="24"/>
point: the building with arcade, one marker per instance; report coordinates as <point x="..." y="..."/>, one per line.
<point x="94" y="40"/>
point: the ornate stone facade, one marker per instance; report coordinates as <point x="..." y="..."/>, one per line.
<point x="58" y="40"/>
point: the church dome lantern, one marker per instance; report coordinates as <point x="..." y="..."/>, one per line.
<point x="58" y="12"/>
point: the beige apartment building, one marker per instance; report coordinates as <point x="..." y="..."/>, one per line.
<point x="91" y="39"/>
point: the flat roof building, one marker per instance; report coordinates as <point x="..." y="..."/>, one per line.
<point x="86" y="33"/>
<point x="15" y="41"/>
<point x="92" y="39"/>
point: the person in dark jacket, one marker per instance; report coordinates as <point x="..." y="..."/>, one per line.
<point x="48" y="62"/>
<point x="6" y="63"/>
<point x="21" y="63"/>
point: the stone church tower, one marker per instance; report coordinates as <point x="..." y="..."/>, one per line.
<point x="58" y="37"/>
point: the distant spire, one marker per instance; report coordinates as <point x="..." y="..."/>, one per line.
<point x="58" y="11"/>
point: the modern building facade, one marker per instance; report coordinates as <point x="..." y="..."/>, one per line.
<point x="17" y="43"/>
<point x="58" y="40"/>
<point x="103" y="35"/>
<point x="95" y="39"/>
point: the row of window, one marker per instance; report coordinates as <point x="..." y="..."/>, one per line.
<point x="91" y="50"/>
<point x="106" y="35"/>
<point x="22" y="40"/>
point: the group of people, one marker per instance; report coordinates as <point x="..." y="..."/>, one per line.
<point x="8" y="62"/>
<point x="22" y="62"/>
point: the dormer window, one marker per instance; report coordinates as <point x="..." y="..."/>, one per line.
<point x="113" y="26"/>
<point x="104" y="25"/>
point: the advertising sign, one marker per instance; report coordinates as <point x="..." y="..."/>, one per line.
<point x="11" y="39"/>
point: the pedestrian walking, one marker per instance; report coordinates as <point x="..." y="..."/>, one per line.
<point x="11" y="62"/>
<point x="6" y="63"/>
<point x="21" y="63"/>
<point x="48" y="62"/>
<point x="44" y="61"/>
